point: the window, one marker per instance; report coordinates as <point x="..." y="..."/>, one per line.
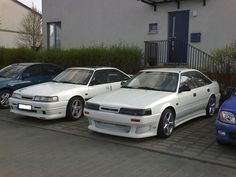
<point x="186" y="80"/>
<point x="51" y="70"/>
<point x="74" y="76"/>
<point x="194" y="79"/>
<point x="199" y="79"/>
<point x="100" y="77"/>
<point x="54" y="35"/>
<point x="153" y="28"/>
<point x="116" y="76"/>
<point x="34" y="71"/>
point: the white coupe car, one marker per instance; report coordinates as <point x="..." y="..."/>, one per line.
<point x="65" y="95"/>
<point x="153" y="102"/>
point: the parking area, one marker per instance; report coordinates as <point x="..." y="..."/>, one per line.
<point x="193" y="140"/>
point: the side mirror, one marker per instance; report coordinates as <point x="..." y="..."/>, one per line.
<point x="25" y="75"/>
<point x="184" y="88"/>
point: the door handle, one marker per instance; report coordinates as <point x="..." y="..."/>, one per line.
<point x="208" y="90"/>
<point x="194" y="95"/>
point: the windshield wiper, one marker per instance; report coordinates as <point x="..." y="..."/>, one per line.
<point x="148" y="88"/>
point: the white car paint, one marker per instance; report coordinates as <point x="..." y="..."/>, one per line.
<point x="64" y="92"/>
<point x="108" y="120"/>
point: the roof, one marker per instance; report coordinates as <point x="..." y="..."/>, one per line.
<point x="93" y="68"/>
<point x="25" y="64"/>
<point x="28" y="8"/>
<point x="173" y="70"/>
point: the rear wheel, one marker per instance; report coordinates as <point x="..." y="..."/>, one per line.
<point x="211" y="107"/>
<point x="75" y="108"/>
<point x="166" y="124"/>
<point x="4" y="98"/>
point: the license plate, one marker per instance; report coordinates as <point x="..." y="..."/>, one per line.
<point x="25" y="107"/>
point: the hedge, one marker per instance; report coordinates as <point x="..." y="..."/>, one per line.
<point x="127" y="59"/>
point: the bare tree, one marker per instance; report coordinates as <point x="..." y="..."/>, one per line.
<point x="31" y="30"/>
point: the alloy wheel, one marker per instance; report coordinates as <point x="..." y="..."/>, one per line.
<point x="76" y="108"/>
<point x="4" y="98"/>
<point x="168" y="123"/>
<point x="211" y="107"/>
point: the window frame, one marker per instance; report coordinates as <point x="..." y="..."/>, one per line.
<point x="57" y="42"/>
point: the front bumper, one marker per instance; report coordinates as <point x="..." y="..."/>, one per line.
<point x="40" y="110"/>
<point x="225" y="132"/>
<point x="121" y="125"/>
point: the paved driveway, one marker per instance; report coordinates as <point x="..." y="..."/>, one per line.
<point x="193" y="140"/>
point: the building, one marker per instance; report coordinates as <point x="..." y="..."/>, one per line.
<point x="174" y="30"/>
<point x="12" y="13"/>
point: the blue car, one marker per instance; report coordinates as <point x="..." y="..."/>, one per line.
<point x="226" y="121"/>
<point x="21" y="75"/>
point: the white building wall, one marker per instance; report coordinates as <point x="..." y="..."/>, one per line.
<point x="11" y="15"/>
<point x="94" y="22"/>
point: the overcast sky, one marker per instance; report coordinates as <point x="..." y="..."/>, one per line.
<point x="37" y="3"/>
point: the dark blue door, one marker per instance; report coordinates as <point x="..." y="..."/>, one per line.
<point x="178" y="36"/>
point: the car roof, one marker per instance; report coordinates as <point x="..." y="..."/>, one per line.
<point x="172" y="70"/>
<point x="93" y="68"/>
<point x="29" y="64"/>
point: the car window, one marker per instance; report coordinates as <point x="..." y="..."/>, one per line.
<point x="74" y="76"/>
<point x="160" y="81"/>
<point x="12" y="71"/>
<point x="51" y="70"/>
<point x="194" y="79"/>
<point x="187" y="80"/>
<point x="199" y="79"/>
<point x="34" y="71"/>
<point x="116" y="76"/>
<point x="100" y="77"/>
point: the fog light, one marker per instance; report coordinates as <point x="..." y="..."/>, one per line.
<point x="221" y="132"/>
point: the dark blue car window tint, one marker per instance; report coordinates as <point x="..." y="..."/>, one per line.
<point x="51" y="70"/>
<point x="11" y="71"/>
<point x="33" y="71"/>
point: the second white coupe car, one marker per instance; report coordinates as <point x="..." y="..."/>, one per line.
<point x="153" y="102"/>
<point x="66" y="94"/>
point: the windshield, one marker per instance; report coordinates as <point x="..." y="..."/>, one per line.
<point x="74" y="76"/>
<point x="160" y="81"/>
<point x="11" y="71"/>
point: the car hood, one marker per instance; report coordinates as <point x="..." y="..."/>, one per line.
<point x="50" y="89"/>
<point x="230" y="104"/>
<point x="132" y="98"/>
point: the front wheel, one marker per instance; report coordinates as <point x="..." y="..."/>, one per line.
<point x="4" y="98"/>
<point x="166" y="124"/>
<point x="75" y="108"/>
<point x="211" y="107"/>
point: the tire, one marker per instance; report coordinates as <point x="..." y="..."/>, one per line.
<point x="4" y="98"/>
<point x="75" y="108"/>
<point x="211" y="107"/>
<point x="166" y="124"/>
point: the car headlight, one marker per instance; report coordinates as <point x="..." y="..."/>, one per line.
<point x="227" y="117"/>
<point x="135" y="112"/>
<point x="46" y="98"/>
<point x="16" y="95"/>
